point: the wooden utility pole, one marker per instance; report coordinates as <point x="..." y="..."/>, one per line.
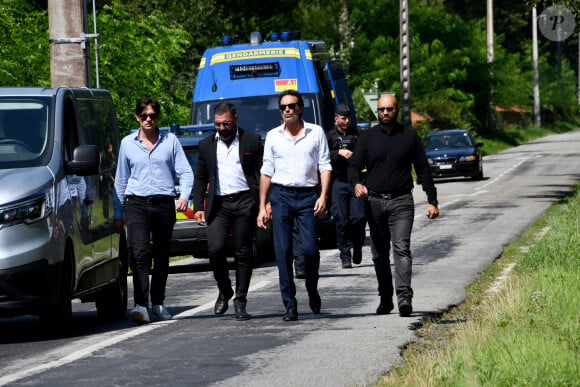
<point x="68" y="59"/>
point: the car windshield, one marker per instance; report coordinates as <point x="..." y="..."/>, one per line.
<point x="23" y="131"/>
<point x="260" y="113"/>
<point x="454" y="140"/>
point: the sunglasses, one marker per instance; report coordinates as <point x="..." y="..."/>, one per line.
<point x="225" y="124"/>
<point x="388" y="108"/>
<point x="153" y="116"/>
<point x="291" y="106"/>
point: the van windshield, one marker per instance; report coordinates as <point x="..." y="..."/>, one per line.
<point x="23" y="131"/>
<point x="260" y="113"/>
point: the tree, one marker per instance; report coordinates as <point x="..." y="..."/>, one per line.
<point x="136" y="55"/>
<point x="24" y="48"/>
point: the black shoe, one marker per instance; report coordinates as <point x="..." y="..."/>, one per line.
<point x="291" y="314"/>
<point x="357" y="256"/>
<point x="240" y="308"/>
<point x="346" y="263"/>
<point x="315" y="302"/>
<point x="221" y="304"/>
<point x="385" y="307"/>
<point x="405" y="308"/>
<point x="299" y="273"/>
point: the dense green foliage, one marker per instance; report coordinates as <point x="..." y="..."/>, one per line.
<point x="153" y="48"/>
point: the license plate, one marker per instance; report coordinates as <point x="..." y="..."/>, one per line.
<point x="445" y="166"/>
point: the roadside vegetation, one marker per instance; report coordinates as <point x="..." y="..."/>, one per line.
<point x="519" y="324"/>
<point x="154" y="48"/>
<point x="511" y="136"/>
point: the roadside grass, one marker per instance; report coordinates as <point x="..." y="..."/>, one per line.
<point x="516" y="327"/>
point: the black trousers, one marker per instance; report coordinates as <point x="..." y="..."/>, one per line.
<point x="237" y="214"/>
<point x="149" y="223"/>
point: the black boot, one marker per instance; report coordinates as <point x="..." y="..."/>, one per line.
<point x="385" y="281"/>
<point x="241" y="313"/>
<point x="243" y="277"/>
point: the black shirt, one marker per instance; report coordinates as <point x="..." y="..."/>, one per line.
<point x="337" y="141"/>
<point x="388" y="159"/>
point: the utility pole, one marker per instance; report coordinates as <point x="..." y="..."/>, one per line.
<point x="537" y="118"/>
<point x="68" y="59"/>
<point x="490" y="52"/>
<point x="405" y="61"/>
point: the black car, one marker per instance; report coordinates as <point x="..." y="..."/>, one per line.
<point x="453" y="153"/>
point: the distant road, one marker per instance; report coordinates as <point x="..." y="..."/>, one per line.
<point x="347" y="344"/>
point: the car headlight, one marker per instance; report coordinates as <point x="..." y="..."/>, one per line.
<point x="468" y="158"/>
<point x="26" y="211"/>
<point x="430" y="161"/>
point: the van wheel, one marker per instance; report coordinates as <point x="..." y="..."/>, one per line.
<point x="111" y="302"/>
<point x="56" y="314"/>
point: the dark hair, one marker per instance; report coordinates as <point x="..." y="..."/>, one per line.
<point x="144" y="102"/>
<point x="293" y="93"/>
<point x="225" y="107"/>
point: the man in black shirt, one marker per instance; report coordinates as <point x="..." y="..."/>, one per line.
<point x="388" y="151"/>
<point x="347" y="210"/>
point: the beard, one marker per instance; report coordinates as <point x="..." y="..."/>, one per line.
<point x="227" y="135"/>
<point x="386" y="120"/>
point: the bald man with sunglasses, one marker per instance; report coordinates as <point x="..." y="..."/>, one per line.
<point x="388" y="151"/>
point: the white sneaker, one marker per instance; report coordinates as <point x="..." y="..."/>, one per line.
<point x="160" y="313"/>
<point x="140" y="315"/>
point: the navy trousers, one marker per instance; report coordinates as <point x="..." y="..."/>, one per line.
<point x="292" y="206"/>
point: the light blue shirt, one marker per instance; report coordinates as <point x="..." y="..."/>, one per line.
<point x="144" y="172"/>
<point x="296" y="163"/>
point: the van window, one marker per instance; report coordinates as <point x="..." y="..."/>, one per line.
<point x="259" y="113"/>
<point x="24" y="131"/>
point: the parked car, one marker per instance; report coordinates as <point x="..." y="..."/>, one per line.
<point x="453" y="153"/>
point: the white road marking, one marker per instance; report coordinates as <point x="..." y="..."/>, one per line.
<point x="87" y="351"/>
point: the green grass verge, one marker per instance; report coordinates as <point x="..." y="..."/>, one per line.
<point x="524" y="332"/>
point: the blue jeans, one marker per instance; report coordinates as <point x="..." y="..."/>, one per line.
<point x="390" y="222"/>
<point x="294" y="206"/>
<point x="149" y="219"/>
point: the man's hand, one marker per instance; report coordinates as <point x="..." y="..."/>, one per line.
<point x="320" y="206"/>
<point x="118" y="225"/>
<point x="181" y="205"/>
<point x="199" y="217"/>
<point x="432" y="211"/>
<point x="264" y="217"/>
<point x="345" y="153"/>
<point x="360" y="191"/>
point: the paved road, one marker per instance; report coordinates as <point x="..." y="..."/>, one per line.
<point x="347" y="344"/>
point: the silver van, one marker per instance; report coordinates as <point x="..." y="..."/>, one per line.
<point x="57" y="165"/>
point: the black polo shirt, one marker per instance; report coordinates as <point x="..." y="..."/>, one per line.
<point x="388" y="160"/>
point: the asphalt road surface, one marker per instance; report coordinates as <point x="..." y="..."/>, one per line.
<point x="347" y="344"/>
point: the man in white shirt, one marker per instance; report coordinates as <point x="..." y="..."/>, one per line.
<point x="226" y="180"/>
<point x="295" y="155"/>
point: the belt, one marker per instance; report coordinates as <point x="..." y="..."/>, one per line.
<point x="297" y="189"/>
<point x="151" y="199"/>
<point x="387" y="196"/>
<point x="234" y="196"/>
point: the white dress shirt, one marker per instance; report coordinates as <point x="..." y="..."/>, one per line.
<point x="296" y="163"/>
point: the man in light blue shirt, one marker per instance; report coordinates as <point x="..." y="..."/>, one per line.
<point x="295" y="175"/>
<point x="148" y="165"/>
